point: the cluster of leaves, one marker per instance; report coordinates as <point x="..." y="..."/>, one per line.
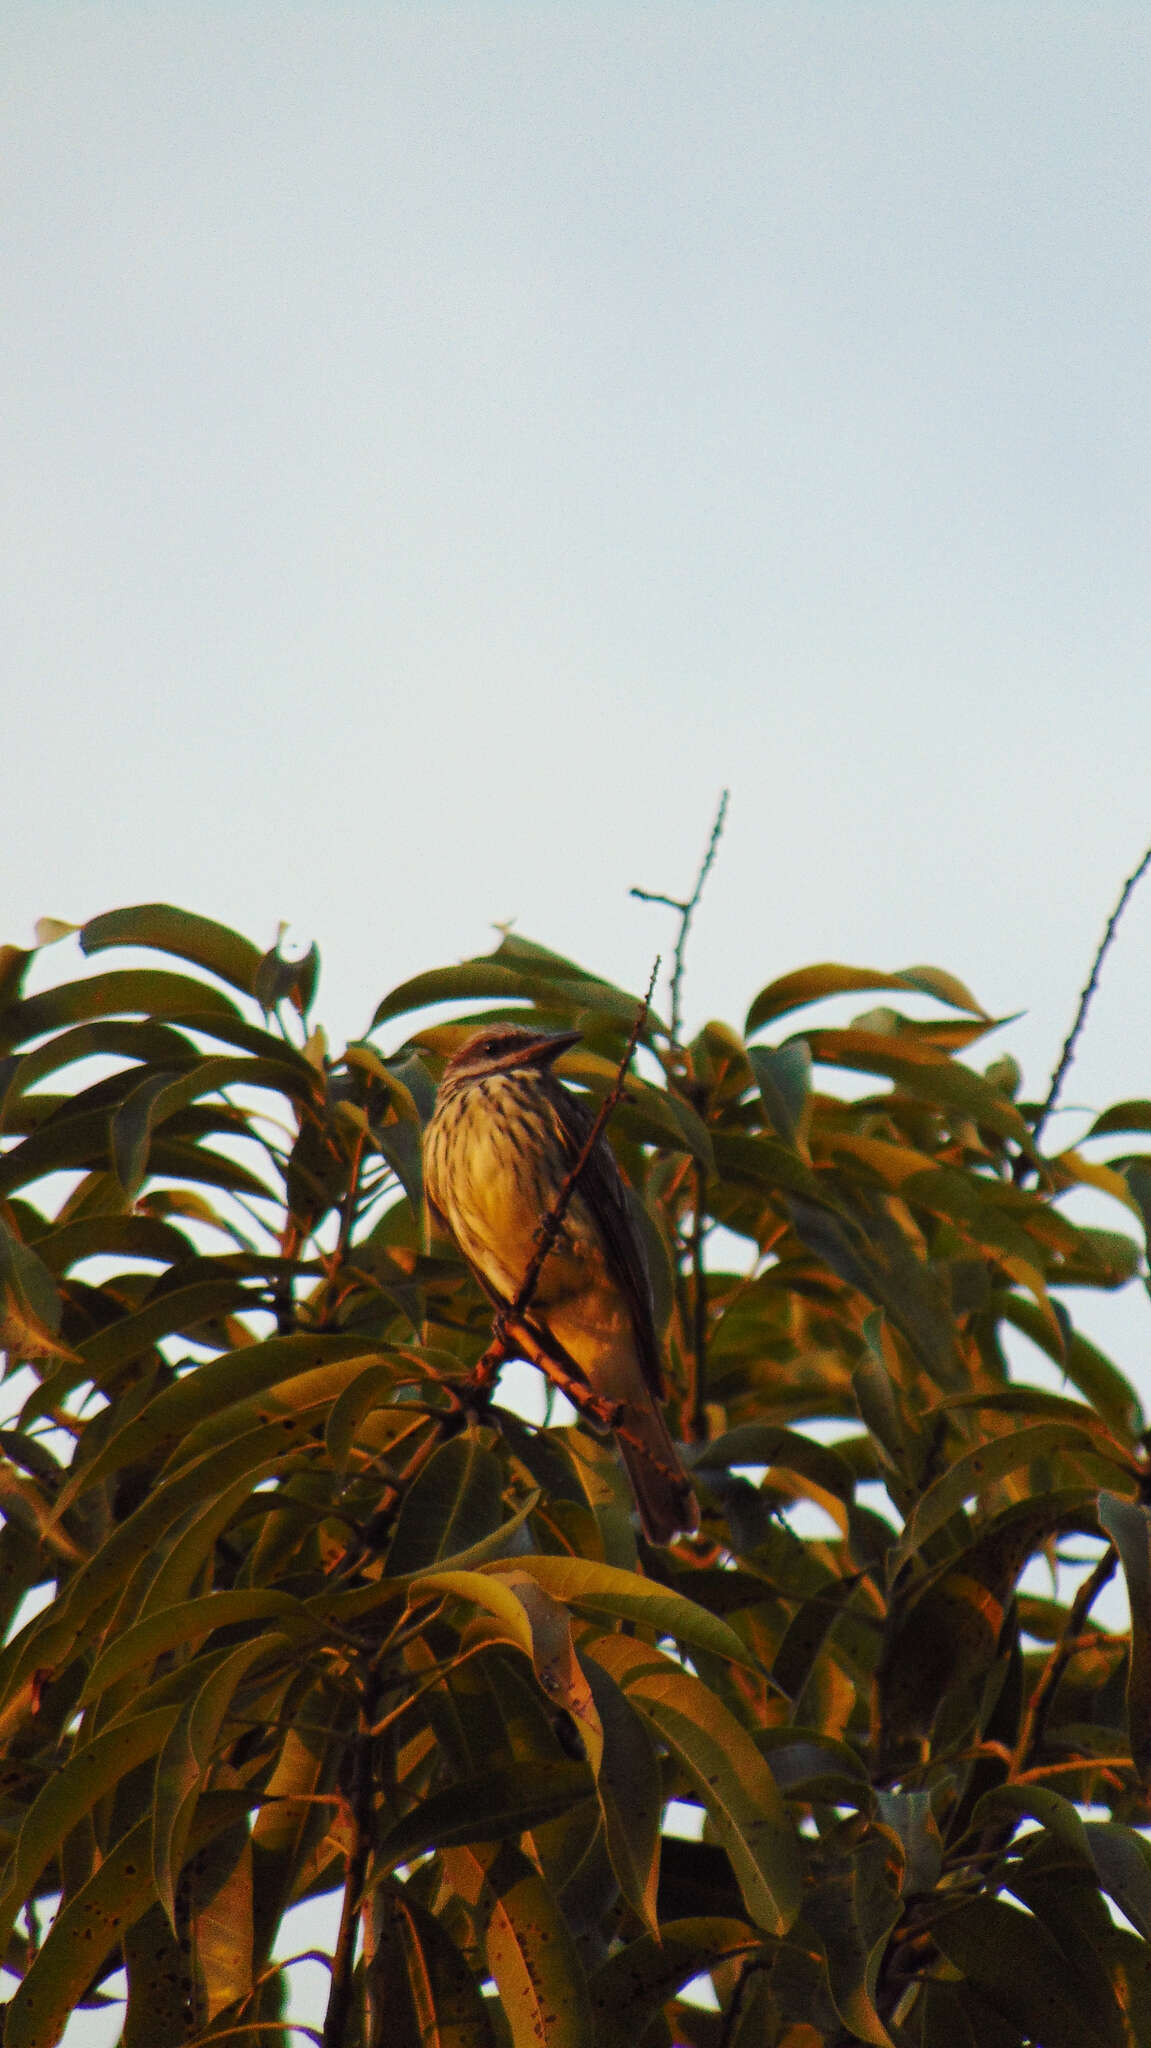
<point x="302" y="1622"/>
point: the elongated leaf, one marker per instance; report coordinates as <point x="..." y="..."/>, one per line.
<point x="599" y="1589"/>
<point x="924" y="1071"/>
<point x="493" y="977"/>
<point x="761" y="1443"/>
<point x="530" y="1950"/>
<point x="50" y="1640"/>
<point x="168" y="930"/>
<point x="224" y="1396"/>
<point x="633" y="1986"/>
<point x="992" y="1460"/>
<point x="1128" y="1524"/>
<point x="1036" y="1802"/>
<point x="726" y="1769"/>
<point x="812" y="984"/>
<point x="89" y="1927"/>
<point x="71" y="1793"/>
<point x="425" y="1990"/>
<point x="501" y="1803"/>
<point x="853" y="1911"/>
<point x="219" y="1907"/>
<point x="189" y="1621"/>
<point x="184" y="1761"/>
<point x="1122" y="1859"/>
<point x="455" y="1501"/>
<point x="134" y="991"/>
<point x="783" y="1075"/>
<point x="1021" y="1972"/>
<point x="1097" y="1379"/>
<point x="630" y="1794"/>
<point x="807" y="1631"/>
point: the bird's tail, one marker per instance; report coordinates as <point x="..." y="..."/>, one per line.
<point x="663" y="1492"/>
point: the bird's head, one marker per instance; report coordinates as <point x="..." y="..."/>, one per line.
<point x="500" y="1048"/>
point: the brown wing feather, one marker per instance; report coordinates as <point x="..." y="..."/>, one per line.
<point x="602" y="1189"/>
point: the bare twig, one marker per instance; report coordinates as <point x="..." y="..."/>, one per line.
<point x="483" y="1374"/>
<point x="1068" y="1054"/>
<point x="686" y="912"/>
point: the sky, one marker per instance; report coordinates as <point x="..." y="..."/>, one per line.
<point x="445" y="446"/>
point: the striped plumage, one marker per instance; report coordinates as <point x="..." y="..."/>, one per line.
<point x="504" y="1135"/>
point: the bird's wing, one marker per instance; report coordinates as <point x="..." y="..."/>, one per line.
<point x="602" y="1191"/>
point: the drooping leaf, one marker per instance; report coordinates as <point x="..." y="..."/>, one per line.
<point x="811" y="984"/>
<point x="726" y="1770"/>
<point x="165" y="929"/>
<point x="455" y="1501"/>
<point x="530" y="1950"/>
<point x="633" y="1986"/>
<point x="1128" y="1523"/>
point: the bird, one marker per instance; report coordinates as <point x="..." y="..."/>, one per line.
<point x="503" y="1136"/>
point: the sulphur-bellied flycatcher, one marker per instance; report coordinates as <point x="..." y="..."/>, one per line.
<point x="503" y="1138"/>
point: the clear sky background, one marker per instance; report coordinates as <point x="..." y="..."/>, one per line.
<point x="443" y="446"/>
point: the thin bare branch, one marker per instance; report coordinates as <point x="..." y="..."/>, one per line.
<point x="1085" y="1001"/>
<point x="686" y="912"/>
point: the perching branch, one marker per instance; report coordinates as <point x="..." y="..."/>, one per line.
<point x="1085" y="1001"/>
<point x="482" y="1375"/>
<point x="686" y="912"/>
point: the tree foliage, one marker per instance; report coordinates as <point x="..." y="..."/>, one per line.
<point x="288" y="1616"/>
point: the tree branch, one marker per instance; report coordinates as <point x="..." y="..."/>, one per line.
<point x="686" y="912"/>
<point x="1022" y="1164"/>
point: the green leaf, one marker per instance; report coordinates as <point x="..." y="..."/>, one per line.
<point x="812" y="984"/>
<point x="1036" y="1802"/>
<point x="430" y="1996"/>
<point x="631" y="1988"/>
<point x="89" y="1927"/>
<point x="72" y="1792"/>
<point x="500" y="1804"/>
<point x="133" y="991"/>
<point x="1022" y="1973"/>
<point x="806" y="1634"/>
<point x="1122" y="1859"/>
<point x="630" y="1794"/>
<point x="599" y="1589"/>
<point x="189" y="1621"/>
<point x="763" y="1443"/>
<point x="853" y="1911"/>
<point x="1128" y="1524"/>
<point x="726" y="1770"/>
<point x="1100" y="1382"/>
<point x="976" y="1469"/>
<point x="453" y="1503"/>
<point x="492" y="977"/>
<point x="184" y="1762"/>
<point x="226" y="1396"/>
<point x="783" y="1075"/>
<point x="924" y="1072"/>
<point x="1122" y="1116"/>
<point x="530" y="1951"/>
<point x="168" y="930"/>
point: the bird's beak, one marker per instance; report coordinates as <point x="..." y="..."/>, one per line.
<point x="545" y="1050"/>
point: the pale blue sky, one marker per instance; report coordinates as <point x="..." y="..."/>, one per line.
<point x="444" y="445"/>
